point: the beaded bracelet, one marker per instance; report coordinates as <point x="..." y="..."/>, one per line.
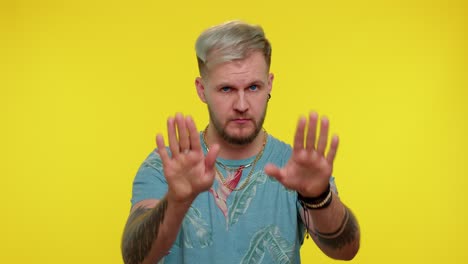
<point x="319" y="202"/>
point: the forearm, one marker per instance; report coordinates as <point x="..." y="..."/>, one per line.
<point x="334" y="229"/>
<point x="150" y="232"/>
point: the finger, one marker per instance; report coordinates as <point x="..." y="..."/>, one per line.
<point x="311" y="131"/>
<point x="171" y="133"/>
<point x="299" y="137"/>
<point x="322" y="143"/>
<point x="333" y="149"/>
<point x="194" y="135"/>
<point x="162" y="148"/>
<point x="280" y="175"/>
<point x="210" y="158"/>
<point x="184" y="142"/>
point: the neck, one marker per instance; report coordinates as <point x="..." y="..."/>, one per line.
<point x="234" y="151"/>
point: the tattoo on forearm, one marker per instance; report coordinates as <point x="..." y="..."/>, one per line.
<point x="345" y="234"/>
<point x="141" y="230"/>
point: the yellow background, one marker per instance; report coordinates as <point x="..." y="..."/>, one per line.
<point x="86" y="85"/>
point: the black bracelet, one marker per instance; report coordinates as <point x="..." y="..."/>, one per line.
<point x="319" y="202"/>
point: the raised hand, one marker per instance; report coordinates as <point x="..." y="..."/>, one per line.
<point x="308" y="171"/>
<point x="188" y="172"/>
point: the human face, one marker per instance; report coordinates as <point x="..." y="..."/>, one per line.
<point x="236" y="93"/>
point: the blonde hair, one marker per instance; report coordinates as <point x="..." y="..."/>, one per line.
<point x="230" y="41"/>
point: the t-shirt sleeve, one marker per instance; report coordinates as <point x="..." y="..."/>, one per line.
<point x="149" y="182"/>
<point x="333" y="187"/>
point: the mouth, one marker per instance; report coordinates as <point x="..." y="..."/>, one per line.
<point x="241" y="120"/>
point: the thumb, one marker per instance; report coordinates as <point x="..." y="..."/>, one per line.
<point x="273" y="171"/>
<point x="211" y="156"/>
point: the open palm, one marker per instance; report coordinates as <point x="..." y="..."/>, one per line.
<point x="187" y="171"/>
<point x="308" y="170"/>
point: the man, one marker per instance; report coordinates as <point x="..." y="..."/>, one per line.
<point x="234" y="193"/>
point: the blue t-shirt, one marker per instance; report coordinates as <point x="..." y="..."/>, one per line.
<point x="259" y="223"/>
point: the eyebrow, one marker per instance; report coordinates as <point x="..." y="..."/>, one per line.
<point x="225" y="84"/>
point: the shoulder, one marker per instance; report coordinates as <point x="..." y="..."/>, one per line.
<point x="276" y="150"/>
<point x="150" y="169"/>
<point x="153" y="160"/>
<point x="277" y="144"/>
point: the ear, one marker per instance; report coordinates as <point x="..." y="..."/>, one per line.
<point x="200" y="89"/>
<point x="271" y="76"/>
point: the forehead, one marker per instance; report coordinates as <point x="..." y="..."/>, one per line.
<point x="239" y="72"/>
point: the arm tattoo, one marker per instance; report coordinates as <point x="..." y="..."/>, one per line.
<point x="345" y="234"/>
<point x="141" y="231"/>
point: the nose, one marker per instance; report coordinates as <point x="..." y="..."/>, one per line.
<point x="241" y="104"/>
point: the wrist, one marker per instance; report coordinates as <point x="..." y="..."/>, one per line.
<point x="318" y="202"/>
<point x="179" y="202"/>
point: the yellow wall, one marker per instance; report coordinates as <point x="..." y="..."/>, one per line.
<point x="85" y="86"/>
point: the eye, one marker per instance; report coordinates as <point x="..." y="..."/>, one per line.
<point x="226" y="89"/>
<point x="253" y="87"/>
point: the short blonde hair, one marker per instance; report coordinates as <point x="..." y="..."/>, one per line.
<point x="230" y="41"/>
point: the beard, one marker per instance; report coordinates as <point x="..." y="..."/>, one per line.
<point x="236" y="140"/>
